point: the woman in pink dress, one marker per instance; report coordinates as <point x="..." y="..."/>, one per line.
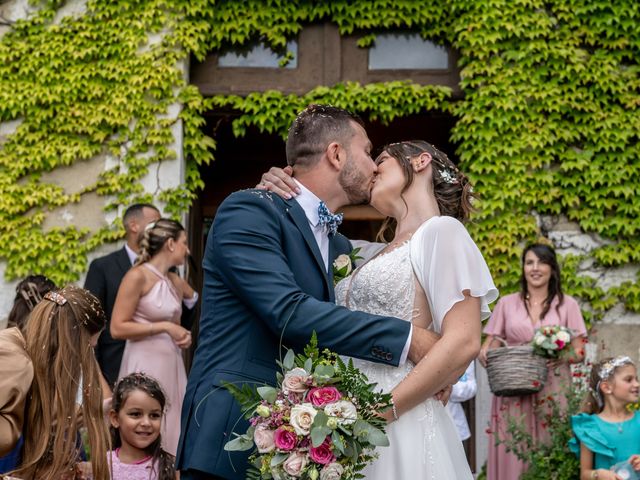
<point x="515" y="319"/>
<point x="147" y="314"/>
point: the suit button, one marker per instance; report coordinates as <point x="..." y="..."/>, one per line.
<point x="388" y="356"/>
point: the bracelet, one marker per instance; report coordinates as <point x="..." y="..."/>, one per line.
<point x="393" y="409"/>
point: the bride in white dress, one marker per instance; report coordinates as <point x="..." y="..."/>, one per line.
<point x="433" y="275"/>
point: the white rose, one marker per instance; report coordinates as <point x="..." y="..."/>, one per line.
<point x="343" y="410"/>
<point x="295" y="381"/>
<point x="539" y="339"/>
<point x="301" y="418"/>
<point x="333" y="471"/>
<point x="564" y="336"/>
<point x="343" y="262"/>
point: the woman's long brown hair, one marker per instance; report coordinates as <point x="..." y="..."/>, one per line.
<point x="58" y="336"/>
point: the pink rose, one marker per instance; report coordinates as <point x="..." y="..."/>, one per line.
<point x="560" y="344"/>
<point x="333" y="471"/>
<point x="321" y="396"/>
<point x="264" y="439"/>
<point x="285" y="438"/>
<point x="322" y="454"/>
<point x="295" y="380"/>
<point x="295" y="463"/>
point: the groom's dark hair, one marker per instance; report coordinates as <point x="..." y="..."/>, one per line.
<point x="314" y="129"/>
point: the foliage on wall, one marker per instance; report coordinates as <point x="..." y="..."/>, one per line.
<point x="548" y="122"/>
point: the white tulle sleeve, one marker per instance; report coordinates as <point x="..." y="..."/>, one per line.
<point x="447" y="262"/>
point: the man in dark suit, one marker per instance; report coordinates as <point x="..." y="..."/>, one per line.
<point x="267" y="275"/>
<point x="103" y="280"/>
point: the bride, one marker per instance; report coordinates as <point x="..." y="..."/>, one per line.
<point x="433" y="275"/>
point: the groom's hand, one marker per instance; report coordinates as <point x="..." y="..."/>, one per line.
<point x="421" y="342"/>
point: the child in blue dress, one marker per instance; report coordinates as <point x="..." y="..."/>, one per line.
<point x="607" y="433"/>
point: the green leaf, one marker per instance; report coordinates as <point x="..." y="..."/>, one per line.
<point x="269" y="394"/>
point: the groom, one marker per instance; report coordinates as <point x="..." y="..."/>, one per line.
<point x="268" y="275"/>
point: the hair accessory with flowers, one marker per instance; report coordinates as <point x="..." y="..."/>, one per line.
<point x="320" y="421"/>
<point x="447" y="176"/>
<point x="343" y="265"/>
<point x="55" y="297"/>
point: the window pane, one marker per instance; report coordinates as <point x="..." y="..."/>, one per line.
<point x="258" y="56"/>
<point x="407" y="51"/>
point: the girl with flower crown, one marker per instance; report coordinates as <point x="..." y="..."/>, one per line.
<point x="607" y="433"/>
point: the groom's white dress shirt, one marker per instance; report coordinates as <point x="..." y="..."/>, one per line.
<point x="309" y="203"/>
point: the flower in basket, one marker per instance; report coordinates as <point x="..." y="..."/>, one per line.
<point x="552" y="341"/>
<point x="319" y="422"/>
<point x="343" y="265"/>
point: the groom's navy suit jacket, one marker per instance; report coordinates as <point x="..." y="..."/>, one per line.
<point x="263" y="269"/>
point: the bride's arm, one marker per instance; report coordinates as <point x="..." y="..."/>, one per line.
<point x="447" y="359"/>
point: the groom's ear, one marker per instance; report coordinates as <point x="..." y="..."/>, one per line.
<point x="336" y="155"/>
<point x="421" y="162"/>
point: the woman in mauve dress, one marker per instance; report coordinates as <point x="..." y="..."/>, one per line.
<point x="147" y="314"/>
<point x="540" y="303"/>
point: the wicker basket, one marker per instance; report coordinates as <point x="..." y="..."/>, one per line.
<point x="515" y="371"/>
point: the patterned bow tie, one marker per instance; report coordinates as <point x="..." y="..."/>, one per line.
<point x="328" y="219"/>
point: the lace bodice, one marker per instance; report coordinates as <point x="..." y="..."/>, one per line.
<point x="383" y="286"/>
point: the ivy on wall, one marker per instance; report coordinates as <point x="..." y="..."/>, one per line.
<point x="548" y="121"/>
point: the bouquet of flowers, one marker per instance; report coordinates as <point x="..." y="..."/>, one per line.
<point x="552" y="341"/>
<point x="320" y="421"/>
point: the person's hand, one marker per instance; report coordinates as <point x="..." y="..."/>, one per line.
<point x="553" y="364"/>
<point x="634" y="460"/>
<point x="84" y="471"/>
<point x="607" y="475"/>
<point x="180" y="335"/>
<point x="482" y="355"/>
<point x="280" y="182"/>
<point x="444" y="394"/>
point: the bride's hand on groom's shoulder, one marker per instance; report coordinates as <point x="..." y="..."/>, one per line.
<point x="280" y="182"/>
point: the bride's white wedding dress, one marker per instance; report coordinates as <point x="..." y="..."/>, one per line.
<point x="444" y="259"/>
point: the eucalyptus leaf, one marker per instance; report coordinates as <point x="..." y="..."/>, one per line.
<point x="289" y="360"/>
<point x="269" y="394"/>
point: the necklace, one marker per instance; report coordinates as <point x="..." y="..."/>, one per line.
<point x="533" y="303"/>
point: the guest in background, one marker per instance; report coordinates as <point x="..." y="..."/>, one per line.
<point x="60" y="335"/>
<point x="104" y="277"/>
<point x="539" y="303"/>
<point x="147" y="314"/>
<point x="138" y="405"/>
<point x="464" y="389"/>
<point x="607" y="433"/>
<point x="16" y="368"/>
<point x="29" y="292"/>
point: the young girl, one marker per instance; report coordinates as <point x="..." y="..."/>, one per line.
<point x="607" y="432"/>
<point x="135" y="416"/>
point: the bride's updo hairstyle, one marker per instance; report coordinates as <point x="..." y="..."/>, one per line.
<point x="155" y="236"/>
<point x="451" y="187"/>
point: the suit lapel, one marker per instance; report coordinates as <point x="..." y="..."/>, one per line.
<point x="302" y="222"/>
<point x="332" y="256"/>
<point x="124" y="264"/>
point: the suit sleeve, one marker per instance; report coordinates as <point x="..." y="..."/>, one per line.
<point x="246" y="241"/>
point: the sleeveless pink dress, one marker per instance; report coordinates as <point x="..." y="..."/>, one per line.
<point x="157" y="355"/>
